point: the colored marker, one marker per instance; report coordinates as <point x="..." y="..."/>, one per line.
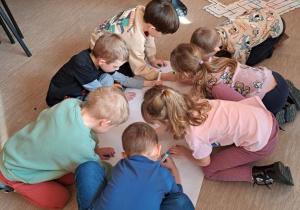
<point x="159" y="75"/>
<point x="174" y="72"/>
<point x="106" y="155"/>
<point x="159" y="65"/>
<point x="165" y="157"/>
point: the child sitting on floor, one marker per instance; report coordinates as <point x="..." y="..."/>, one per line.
<point x="245" y="124"/>
<point x="250" y="38"/>
<point x="89" y="70"/>
<point x="139" y="26"/>
<point x="40" y="159"/>
<point x="138" y="181"/>
<point x="188" y="61"/>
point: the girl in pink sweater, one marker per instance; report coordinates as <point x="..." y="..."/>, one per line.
<point x="245" y="124"/>
<point x="188" y="62"/>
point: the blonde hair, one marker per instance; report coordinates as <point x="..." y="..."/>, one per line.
<point x="111" y="47"/>
<point x="185" y="59"/>
<point x="108" y="103"/>
<point x="139" y="138"/>
<point x="173" y="109"/>
<point x="206" y="38"/>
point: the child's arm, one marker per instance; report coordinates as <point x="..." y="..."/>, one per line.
<point x="223" y="92"/>
<point x="105" y="152"/>
<point x="132" y="82"/>
<point x="169" y="164"/>
<point x="182" y="152"/>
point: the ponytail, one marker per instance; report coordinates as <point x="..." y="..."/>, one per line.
<point x="188" y="59"/>
<point x="176" y="111"/>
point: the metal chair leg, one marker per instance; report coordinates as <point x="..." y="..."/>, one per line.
<point x="12" y="18"/>
<point x="6" y="31"/>
<point x="9" y="24"/>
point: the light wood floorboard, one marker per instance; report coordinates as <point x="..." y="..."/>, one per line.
<point x="55" y="30"/>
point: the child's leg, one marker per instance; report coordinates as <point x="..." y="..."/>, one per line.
<point x="48" y="194"/>
<point x="275" y="99"/>
<point x="90" y="181"/>
<point x="176" y="201"/>
<point x="264" y="50"/>
<point x="229" y="164"/>
<point x="223" y="92"/>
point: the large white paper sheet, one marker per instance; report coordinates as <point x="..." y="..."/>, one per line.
<point x="190" y="174"/>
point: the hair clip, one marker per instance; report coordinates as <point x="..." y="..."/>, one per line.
<point x="201" y="62"/>
<point x="162" y="91"/>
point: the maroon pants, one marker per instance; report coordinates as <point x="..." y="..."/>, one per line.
<point x="232" y="163"/>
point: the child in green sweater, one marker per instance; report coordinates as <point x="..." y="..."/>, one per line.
<point x="40" y="158"/>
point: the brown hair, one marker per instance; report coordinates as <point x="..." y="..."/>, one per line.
<point x="111" y="47"/>
<point x="185" y="59"/>
<point x="162" y="15"/>
<point x="173" y="109"/>
<point x="139" y="138"/>
<point x="109" y="103"/>
<point x="206" y="38"/>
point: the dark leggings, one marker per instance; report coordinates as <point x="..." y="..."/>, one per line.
<point x="275" y="99"/>
<point x="264" y="50"/>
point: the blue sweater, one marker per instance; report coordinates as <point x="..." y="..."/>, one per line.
<point x="137" y="183"/>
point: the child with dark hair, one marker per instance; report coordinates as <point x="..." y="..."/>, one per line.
<point x="138" y="27"/>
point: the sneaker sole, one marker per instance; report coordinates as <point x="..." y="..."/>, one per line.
<point x="280" y="116"/>
<point x="294" y="93"/>
<point x="290" y="113"/>
<point x="284" y="174"/>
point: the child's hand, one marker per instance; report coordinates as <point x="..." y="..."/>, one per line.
<point x="105" y="152"/>
<point x="130" y="95"/>
<point x="158" y="63"/>
<point x="169" y="163"/>
<point x="181" y="152"/>
<point x="170" y="76"/>
<point x="152" y="83"/>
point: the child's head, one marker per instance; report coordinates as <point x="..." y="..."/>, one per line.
<point x="111" y="52"/>
<point x="208" y="39"/>
<point x="140" y="139"/>
<point x="162" y="16"/>
<point x="108" y="106"/>
<point x="188" y="61"/>
<point x="167" y="106"/>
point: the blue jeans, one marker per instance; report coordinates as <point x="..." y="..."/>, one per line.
<point x="90" y="182"/>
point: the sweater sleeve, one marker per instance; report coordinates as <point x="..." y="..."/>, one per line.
<point x="138" y="65"/>
<point x="150" y="49"/>
<point x="128" y="81"/>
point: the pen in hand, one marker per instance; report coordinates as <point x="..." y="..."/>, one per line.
<point x="165" y="157"/>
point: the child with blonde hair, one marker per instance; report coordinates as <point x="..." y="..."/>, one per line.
<point x="38" y="160"/>
<point x="138" y="26"/>
<point x="89" y="70"/>
<point x="245" y="124"/>
<point x="138" y="181"/>
<point x="188" y="60"/>
<point x="250" y="38"/>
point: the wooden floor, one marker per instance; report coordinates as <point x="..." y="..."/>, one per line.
<point x="55" y="30"/>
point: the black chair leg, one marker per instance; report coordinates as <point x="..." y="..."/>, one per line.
<point x="11" y="27"/>
<point x="12" y="18"/>
<point x="6" y="31"/>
